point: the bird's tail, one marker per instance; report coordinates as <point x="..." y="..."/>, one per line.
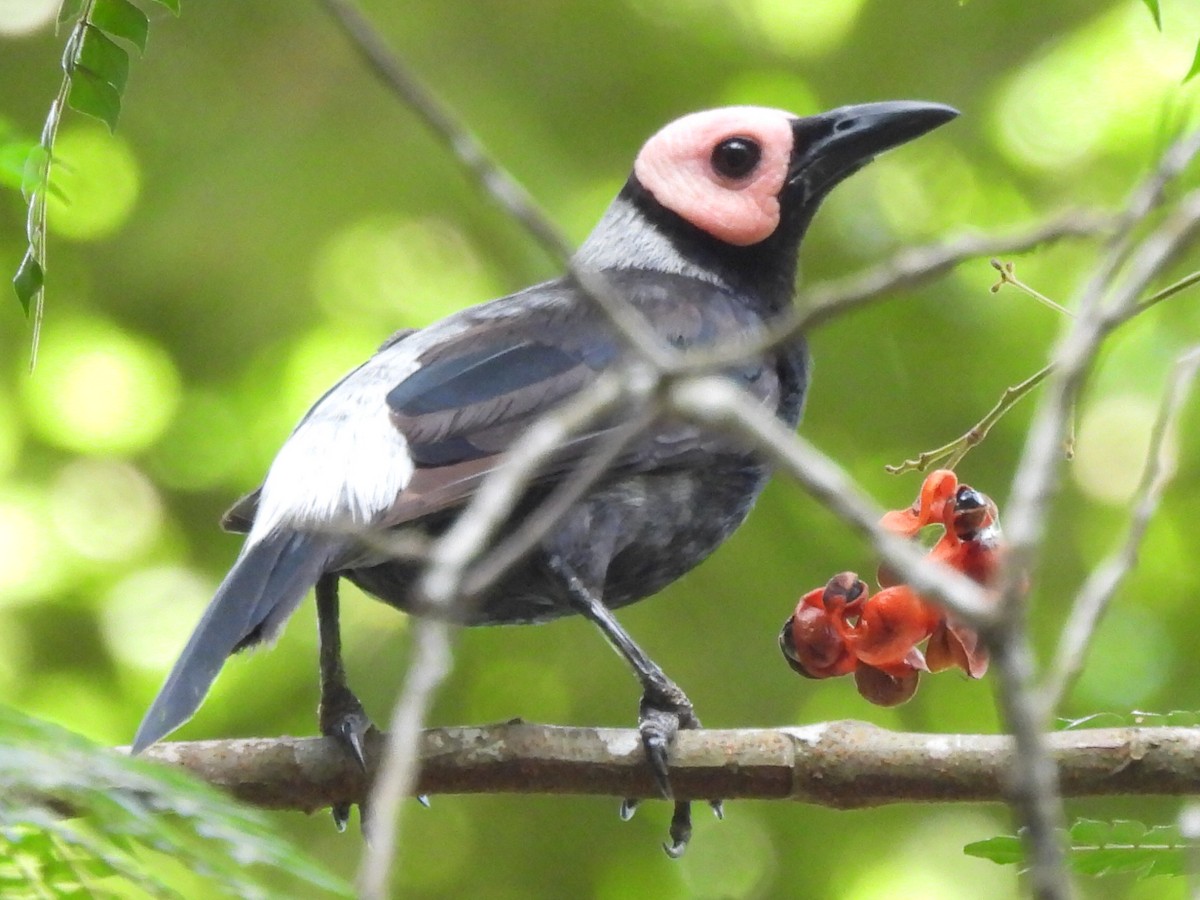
<point x="258" y="595"/>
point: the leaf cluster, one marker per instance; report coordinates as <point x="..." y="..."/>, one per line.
<point x="77" y="820"/>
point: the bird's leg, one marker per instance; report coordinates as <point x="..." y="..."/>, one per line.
<point x="664" y="709"/>
<point x="339" y="713"/>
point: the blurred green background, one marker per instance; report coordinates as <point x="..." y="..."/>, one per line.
<point x="267" y="214"/>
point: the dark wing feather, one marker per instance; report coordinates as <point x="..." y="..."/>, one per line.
<point x="476" y="392"/>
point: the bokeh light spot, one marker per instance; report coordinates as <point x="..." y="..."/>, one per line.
<point x="99" y="390"/>
<point x="26" y="16"/>
<point x="1111" y="447"/>
<point x="802" y="29"/>
<point x="105" y="510"/>
<point x="739" y="860"/>
<point x="779" y="88"/>
<point x="319" y="360"/>
<point x="99" y="177"/>
<point x="146" y="615"/>
<point x="925" y="860"/>
<point x="389" y="271"/>
<point x="1093" y="89"/>
<point x="204" y="444"/>
<point x="1131" y="657"/>
<point x="30" y="563"/>
<point x="10" y="436"/>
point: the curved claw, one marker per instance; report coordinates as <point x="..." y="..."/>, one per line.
<point x="718" y="808"/>
<point x="658" y="728"/>
<point x="628" y="808"/>
<point x="351" y="732"/>
<point x="423" y="800"/>
<point x="681" y="830"/>
<point x="341" y="816"/>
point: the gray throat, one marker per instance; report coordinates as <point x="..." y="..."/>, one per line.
<point x="623" y="239"/>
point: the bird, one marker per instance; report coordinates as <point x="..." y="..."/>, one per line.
<point x="702" y="240"/>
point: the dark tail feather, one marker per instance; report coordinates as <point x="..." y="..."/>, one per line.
<point x="262" y="589"/>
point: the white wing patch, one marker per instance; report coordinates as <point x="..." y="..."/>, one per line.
<point x="346" y="462"/>
<point x="336" y="473"/>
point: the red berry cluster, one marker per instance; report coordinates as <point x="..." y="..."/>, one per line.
<point x="840" y="628"/>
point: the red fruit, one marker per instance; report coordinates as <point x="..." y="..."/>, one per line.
<point x="889" y="627"/>
<point x="929" y="507"/>
<point x="883" y="688"/>
<point x="810" y="643"/>
<point x="954" y="645"/>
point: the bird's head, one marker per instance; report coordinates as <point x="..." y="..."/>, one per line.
<point x="734" y="189"/>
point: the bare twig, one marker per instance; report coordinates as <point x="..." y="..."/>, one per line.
<point x="1033" y="775"/>
<point x="910" y="267"/>
<point x="954" y="451"/>
<point x="1034" y="786"/>
<point x="430" y="664"/>
<point x="441" y="588"/>
<point x="494" y="181"/>
<point x="1102" y="583"/>
<point x="842" y="765"/>
<point x="526" y="534"/>
<point x="719" y="402"/>
<point x="1008" y="275"/>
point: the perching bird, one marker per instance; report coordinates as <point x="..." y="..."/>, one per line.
<point x="702" y="240"/>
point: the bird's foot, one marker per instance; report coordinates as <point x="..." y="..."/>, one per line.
<point x="342" y="717"/>
<point x="665" y="710"/>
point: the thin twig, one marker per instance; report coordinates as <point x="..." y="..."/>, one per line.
<point x="1008" y="275"/>
<point x="955" y="450"/>
<point x="494" y="181"/>
<point x="910" y="267"/>
<point x="1034" y="787"/>
<point x="430" y="664"/>
<point x="1033" y="487"/>
<point x="526" y="534"/>
<point x="1101" y="585"/>
<point x="718" y="402"/>
<point x="440" y="589"/>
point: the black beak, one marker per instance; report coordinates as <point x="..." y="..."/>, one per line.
<point x="832" y="145"/>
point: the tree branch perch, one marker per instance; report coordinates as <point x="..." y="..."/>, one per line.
<point x="843" y="765"/>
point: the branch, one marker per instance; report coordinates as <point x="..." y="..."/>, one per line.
<point x="1103" y="582"/>
<point x="843" y="765"/>
<point x="910" y="267"/>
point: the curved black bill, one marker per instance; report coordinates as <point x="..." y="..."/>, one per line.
<point x="832" y="145"/>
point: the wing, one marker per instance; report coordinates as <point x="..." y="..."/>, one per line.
<point x="469" y="386"/>
<point x="474" y="394"/>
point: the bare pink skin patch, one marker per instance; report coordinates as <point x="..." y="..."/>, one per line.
<point x="676" y="167"/>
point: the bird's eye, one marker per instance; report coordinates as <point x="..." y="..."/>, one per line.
<point x="736" y="157"/>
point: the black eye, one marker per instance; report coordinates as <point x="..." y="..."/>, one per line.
<point x="736" y="157"/>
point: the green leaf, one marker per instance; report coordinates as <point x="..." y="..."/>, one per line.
<point x="28" y="280"/>
<point x="94" y="96"/>
<point x="69" y="11"/>
<point x="127" y="810"/>
<point x="1152" y="5"/>
<point x="1103" y="848"/>
<point x="121" y="19"/>
<point x="1195" y="69"/>
<point x="13" y="158"/>
<point x="172" y="5"/>
<point x="1004" y="849"/>
<point x="99" y="55"/>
